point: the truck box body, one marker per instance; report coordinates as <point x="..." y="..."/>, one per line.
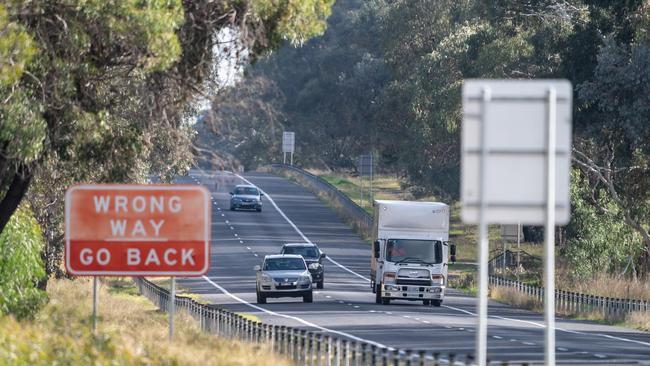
<point x="410" y="251"/>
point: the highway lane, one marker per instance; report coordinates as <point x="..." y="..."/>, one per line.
<point x="346" y="305"/>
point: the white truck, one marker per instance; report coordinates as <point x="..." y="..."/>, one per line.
<point x="410" y="251"/>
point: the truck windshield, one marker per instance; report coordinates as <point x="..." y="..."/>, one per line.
<point x="414" y="251"/>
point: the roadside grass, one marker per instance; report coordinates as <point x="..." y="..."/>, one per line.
<point x="131" y="331"/>
<point x="608" y="285"/>
<point x="509" y="295"/>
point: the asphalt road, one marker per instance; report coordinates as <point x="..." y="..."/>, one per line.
<point x="346" y="305"/>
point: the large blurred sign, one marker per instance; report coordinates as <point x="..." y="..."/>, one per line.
<point x="509" y="119"/>
<point x="288" y="142"/>
<point x="137" y="230"/>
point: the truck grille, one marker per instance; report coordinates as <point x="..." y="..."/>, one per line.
<point x="413" y="281"/>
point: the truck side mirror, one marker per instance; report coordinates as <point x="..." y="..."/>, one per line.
<point x="231" y="193"/>
<point x="452" y="252"/>
<point x="376" y="248"/>
<point x="257" y="268"/>
<point x="323" y="255"/>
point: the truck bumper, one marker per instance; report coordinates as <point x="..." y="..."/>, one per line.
<point x="410" y="292"/>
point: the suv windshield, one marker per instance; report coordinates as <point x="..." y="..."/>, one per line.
<point x="284" y="264"/>
<point x="249" y="191"/>
<point x="306" y="252"/>
<point x="414" y="251"/>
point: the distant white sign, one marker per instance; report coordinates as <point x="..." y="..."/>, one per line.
<point x="509" y="118"/>
<point x="288" y="142"/>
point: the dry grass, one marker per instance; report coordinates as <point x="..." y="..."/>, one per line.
<point x="639" y="320"/>
<point x="607" y="285"/>
<point x="509" y="295"/>
<point x="131" y="332"/>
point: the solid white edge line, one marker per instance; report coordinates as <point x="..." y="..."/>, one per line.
<point x="301" y="321"/>
<point x="446" y="306"/>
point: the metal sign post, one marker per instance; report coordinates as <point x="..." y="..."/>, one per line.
<point x="549" y="231"/>
<point x="95" y="298"/>
<point x="288" y="145"/>
<point x="172" y="308"/>
<point x="515" y="164"/>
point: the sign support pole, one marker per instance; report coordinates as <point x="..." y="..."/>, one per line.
<point x="549" y="232"/>
<point x="172" y="308"/>
<point x="95" y="298"/>
<point x="284" y="157"/>
<point x="481" y="329"/>
<point x="291" y="159"/>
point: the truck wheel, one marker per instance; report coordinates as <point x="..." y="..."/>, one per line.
<point x="378" y="294"/>
<point x="261" y="299"/>
<point x="319" y="284"/>
<point x="308" y="298"/>
<point x="436" y="303"/>
<point x="426" y="302"/>
<point x="385" y="301"/>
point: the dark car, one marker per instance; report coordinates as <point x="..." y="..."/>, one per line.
<point x="313" y="257"/>
<point x="246" y="196"/>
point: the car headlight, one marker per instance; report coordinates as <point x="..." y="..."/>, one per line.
<point x="389" y="276"/>
<point x="438" y="279"/>
<point x="305" y="279"/>
<point x="236" y="199"/>
<point x="266" y="278"/>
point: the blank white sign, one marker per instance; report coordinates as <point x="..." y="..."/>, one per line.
<point x="288" y="142"/>
<point x="516" y="122"/>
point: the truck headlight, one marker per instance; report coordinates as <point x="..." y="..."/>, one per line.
<point x="315" y="266"/>
<point x="389" y="276"/>
<point x="438" y="279"/>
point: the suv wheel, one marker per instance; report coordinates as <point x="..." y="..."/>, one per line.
<point x="320" y="284"/>
<point x="426" y="302"/>
<point x="309" y="297"/>
<point x="261" y="299"/>
<point x="259" y="209"/>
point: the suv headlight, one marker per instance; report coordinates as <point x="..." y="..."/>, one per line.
<point x="389" y="277"/>
<point x="315" y="266"/>
<point x="305" y="279"/>
<point x="266" y="278"/>
<point x="438" y="279"/>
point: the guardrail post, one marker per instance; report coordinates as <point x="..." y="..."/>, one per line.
<point x="337" y="352"/>
<point x="421" y="358"/>
<point x="345" y="352"/>
<point x="436" y="358"/>
<point x="328" y="342"/>
<point x="319" y="346"/>
<point x="303" y="347"/>
<point x="384" y="357"/>
<point x="396" y="356"/>
<point x="373" y="355"/>
<point x="354" y="350"/>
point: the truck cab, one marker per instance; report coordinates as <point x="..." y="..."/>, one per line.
<point x="410" y="251"/>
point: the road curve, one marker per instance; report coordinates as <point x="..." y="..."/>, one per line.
<point x="346" y="305"/>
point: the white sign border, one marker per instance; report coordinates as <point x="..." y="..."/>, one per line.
<point x="133" y="187"/>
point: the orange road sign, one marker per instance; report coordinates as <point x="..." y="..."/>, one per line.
<point x="137" y="230"/>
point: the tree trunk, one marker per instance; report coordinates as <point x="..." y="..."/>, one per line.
<point x="15" y="194"/>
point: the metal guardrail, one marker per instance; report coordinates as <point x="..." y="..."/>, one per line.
<point x="301" y="346"/>
<point x="353" y="213"/>
<point x="577" y="303"/>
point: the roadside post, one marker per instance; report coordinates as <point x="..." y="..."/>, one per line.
<point x="137" y="230"/>
<point x="515" y="164"/>
<point x="288" y="145"/>
<point x="365" y="167"/>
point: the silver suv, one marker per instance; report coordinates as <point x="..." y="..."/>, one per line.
<point x="283" y="276"/>
<point x="246" y="196"/>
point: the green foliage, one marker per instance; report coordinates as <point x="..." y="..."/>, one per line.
<point x="21" y="266"/>
<point x="598" y="240"/>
